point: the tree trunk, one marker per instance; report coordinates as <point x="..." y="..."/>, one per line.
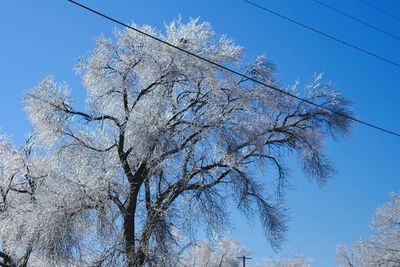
<point x="129" y="218"/>
<point x="5" y="260"/>
<point x="129" y="227"/>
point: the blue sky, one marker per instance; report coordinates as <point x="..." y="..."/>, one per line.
<point x="47" y="37"/>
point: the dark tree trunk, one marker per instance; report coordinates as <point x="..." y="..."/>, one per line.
<point x="129" y="228"/>
<point x="5" y="260"/>
<point x="135" y="182"/>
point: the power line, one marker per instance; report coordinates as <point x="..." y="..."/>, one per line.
<point x="236" y="72"/>
<point x="379" y="9"/>
<point x="324" y="34"/>
<point x="357" y="19"/>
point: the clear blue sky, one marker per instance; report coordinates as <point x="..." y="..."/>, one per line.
<point x="47" y="37"/>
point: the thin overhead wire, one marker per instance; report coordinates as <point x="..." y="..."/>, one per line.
<point x="324" y="34"/>
<point x="357" y="19"/>
<point x="379" y="9"/>
<point x="235" y="72"/>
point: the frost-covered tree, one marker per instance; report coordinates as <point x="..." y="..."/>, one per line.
<point x="227" y="252"/>
<point x="383" y="247"/>
<point x="297" y="261"/>
<point x="204" y="254"/>
<point x="166" y="141"/>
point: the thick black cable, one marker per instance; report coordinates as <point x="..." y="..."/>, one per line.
<point x="236" y="72"/>
<point x="324" y="34"/>
<point x="379" y="9"/>
<point x="357" y="19"/>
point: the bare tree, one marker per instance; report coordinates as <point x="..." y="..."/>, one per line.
<point x="164" y="142"/>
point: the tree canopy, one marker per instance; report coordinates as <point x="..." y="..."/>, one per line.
<point x="165" y="144"/>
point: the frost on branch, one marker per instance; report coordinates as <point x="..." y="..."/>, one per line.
<point x="167" y="141"/>
<point x="383" y="247"/>
<point x="224" y="253"/>
<point x="45" y="106"/>
<point x="297" y="261"/>
<point x="53" y="215"/>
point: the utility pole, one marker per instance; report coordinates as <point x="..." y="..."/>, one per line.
<point x="244" y="258"/>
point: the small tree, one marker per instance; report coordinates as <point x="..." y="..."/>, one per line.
<point x="296" y="261"/>
<point x="165" y="140"/>
<point x="381" y="249"/>
<point x="226" y="252"/>
<point x="205" y="254"/>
